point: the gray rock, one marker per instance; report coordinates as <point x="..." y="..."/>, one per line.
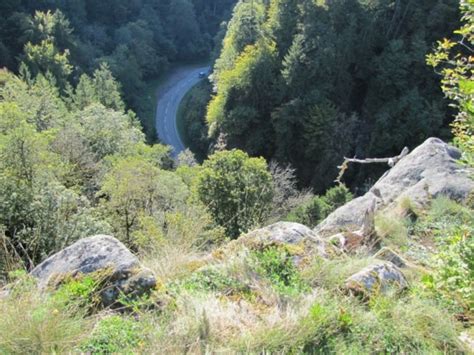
<point x="378" y="278"/>
<point x="282" y="232"/>
<point x="101" y="252"/>
<point x="285" y="233"/>
<point x="388" y="254"/>
<point x="429" y="171"/>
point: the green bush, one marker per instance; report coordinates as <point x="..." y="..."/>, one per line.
<point x="318" y="208"/>
<point x="191" y="119"/>
<point x="311" y="213"/>
<point x="237" y="190"/>
<point x="83" y="291"/>
<point x="277" y="266"/>
<point x="338" y="196"/>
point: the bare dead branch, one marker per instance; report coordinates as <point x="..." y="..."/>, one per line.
<point x="390" y="161"/>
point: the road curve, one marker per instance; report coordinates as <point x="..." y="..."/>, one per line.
<point x="169" y="96"/>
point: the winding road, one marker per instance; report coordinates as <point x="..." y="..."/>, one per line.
<point x="169" y="95"/>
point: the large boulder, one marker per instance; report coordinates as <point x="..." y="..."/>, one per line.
<point x="430" y="170"/>
<point x="285" y="233"/>
<point x="302" y="243"/>
<point x="121" y="268"/>
<point x="377" y="278"/>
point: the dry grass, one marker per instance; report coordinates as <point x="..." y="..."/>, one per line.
<point x="208" y="322"/>
<point x="171" y="261"/>
<point x="34" y="324"/>
<point x="391" y="229"/>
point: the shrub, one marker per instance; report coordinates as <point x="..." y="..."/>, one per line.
<point x="277" y="266"/>
<point x="453" y="61"/>
<point x="82" y="291"/>
<point x="236" y="189"/>
<point x="311" y="213"/>
<point x="338" y="196"/>
<point x="318" y="208"/>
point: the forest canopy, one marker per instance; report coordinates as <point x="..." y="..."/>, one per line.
<point x="309" y="82"/>
<point x="138" y="39"/>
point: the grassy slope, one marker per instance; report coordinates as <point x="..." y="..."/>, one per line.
<point x="258" y="301"/>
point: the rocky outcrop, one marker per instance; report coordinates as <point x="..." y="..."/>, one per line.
<point x="350" y="241"/>
<point x="430" y="170"/>
<point x="378" y="278"/>
<point x="285" y="233"/>
<point x="124" y="274"/>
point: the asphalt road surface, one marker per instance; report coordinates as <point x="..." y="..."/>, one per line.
<point x="170" y="94"/>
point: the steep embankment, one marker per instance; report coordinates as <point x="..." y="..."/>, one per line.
<point x="286" y="288"/>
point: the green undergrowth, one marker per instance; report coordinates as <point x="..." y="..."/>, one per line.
<point x="451" y="226"/>
<point x="338" y="324"/>
<point x="277" y="265"/>
<point x="319" y="207"/>
<point x="115" y="334"/>
<point x="246" y="274"/>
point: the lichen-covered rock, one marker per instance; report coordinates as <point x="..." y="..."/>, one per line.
<point x="388" y="254"/>
<point x="430" y="170"/>
<point x="377" y="278"/>
<point x="91" y="255"/>
<point x="285" y="233"/>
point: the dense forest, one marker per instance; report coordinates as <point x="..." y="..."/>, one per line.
<point x="110" y="243"/>
<point x="308" y="82"/>
<point x="137" y="39"/>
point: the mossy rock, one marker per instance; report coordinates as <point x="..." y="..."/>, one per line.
<point x="108" y="261"/>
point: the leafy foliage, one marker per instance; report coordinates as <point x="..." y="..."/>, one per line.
<point x="454" y="264"/>
<point x="236" y="189"/>
<point x="319" y="207"/>
<point x="191" y="122"/>
<point x="277" y="265"/>
<point x="453" y="58"/>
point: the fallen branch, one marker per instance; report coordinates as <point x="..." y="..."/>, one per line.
<point x="390" y="161"/>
